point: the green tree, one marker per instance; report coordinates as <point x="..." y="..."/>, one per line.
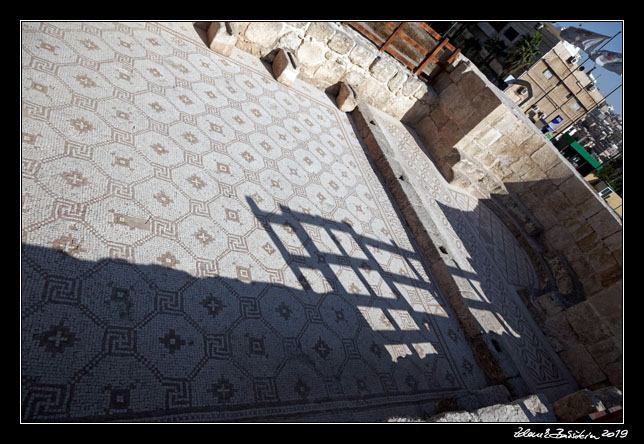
<point x="495" y="48"/>
<point x="523" y="54"/>
<point x="611" y="173"/>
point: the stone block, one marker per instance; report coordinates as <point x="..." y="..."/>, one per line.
<point x="559" y="204"/>
<point x="354" y="76"/>
<point x="559" y="173"/>
<point x="311" y="54"/>
<point x="362" y="56"/>
<point x="382" y="69"/>
<point x="422" y="90"/>
<point x="614" y="243"/>
<point x="586" y="323"/>
<point x="605" y="352"/>
<point x="428" y="96"/>
<point x="222" y="37"/>
<point x="557" y="237"/>
<point x="534" y="174"/>
<point x="550" y="304"/>
<point x="577" y="405"/>
<point x="439" y="116"/>
<point x="608" y="303"/>
<point x="449" y="95"/>
<point x="577" y="225"/>
<point x="373" y="91"/>
<point x="590" y="207"/>
<point x="588" y="242"/>
<point x="489" y="137"/>
<point x="615" y="374"/>
<point x="519" y="131"/>
<point x="397" y="81"/>
<point x="416" y="112"/>
<point x="451" y="133"/>
<point x="533" y="408"/>
<point x="411" y="86"/>
<point x="545" y="157"/>
<point x="456" y="104"/>
<point x="291" y="40"/>
<point x="605" y="223"/>
<point x="576" y="189"/>
<point x="459" y="70"/>
<point x="600" y="258"/>
<point x="496" y="394"/>
<point x="330" y="72"/>
<point x="559" y="332"/>
<point x="298" y="25"/>
<point x="610" y="396"/>
<point x="454" y="417"/>
<point x="347" y="98"/>
<point x="531" y="144"/>
<point x="582" y="366"/>
<point x="471" y="83"/>
<point x="285" y="67"/>
<point x="264" y="33"/>
<point x="320" y="31"/>
<point x="341" y="43"/>
<point x="484" y="104"/>
<point x="441" y="82"/>
<point x="399" y="106"/>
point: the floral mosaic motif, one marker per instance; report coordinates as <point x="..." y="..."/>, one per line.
<point x="75" y="178"/>
<point x="85" y="81"/>
<point x="82" y="125"/>
<point x="68" y="244"/>
<point x="284" y="311"/>
<point x="223" y="390"/>
<point x="213" y="305"/>
<point x="322" y="348"/>
<point x="168" y="259"/>
<point x="172" y="341"/>
<point x="56" y="339"/>
<point x="203" y="236"/>
<point x="302" y="388"/>
<point x="196" y="182"/>
<point x="163" y="198"/>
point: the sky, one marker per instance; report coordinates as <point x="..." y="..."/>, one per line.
<point x="607" y="81"/>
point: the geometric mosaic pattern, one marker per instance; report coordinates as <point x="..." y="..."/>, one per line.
<point x="487" y="263"/>
<point x="202" y="243"/>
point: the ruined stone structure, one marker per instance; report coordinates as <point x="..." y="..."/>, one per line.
<point x="483" y="143"/>
<point x="262" y="256"/>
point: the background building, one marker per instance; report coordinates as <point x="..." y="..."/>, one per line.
<point x="487" y="44"/>
<point x="556" y="92"/>
<point x="601" y="132"/>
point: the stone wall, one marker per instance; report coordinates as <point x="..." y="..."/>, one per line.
<point x="482" y="142"/>
<point x="329" y="53"/>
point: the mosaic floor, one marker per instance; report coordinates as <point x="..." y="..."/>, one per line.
<point x="487" y="264"/>
<point x="202" y="243"/>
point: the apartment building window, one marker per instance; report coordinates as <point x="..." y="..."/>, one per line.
<point x="576" y="106"/>
<point x="547" y="74"/>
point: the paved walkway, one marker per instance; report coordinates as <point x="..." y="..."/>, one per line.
<point x="201" y="242"/>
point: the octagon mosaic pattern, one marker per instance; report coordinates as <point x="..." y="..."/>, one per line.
<point x="202" y="243"/>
